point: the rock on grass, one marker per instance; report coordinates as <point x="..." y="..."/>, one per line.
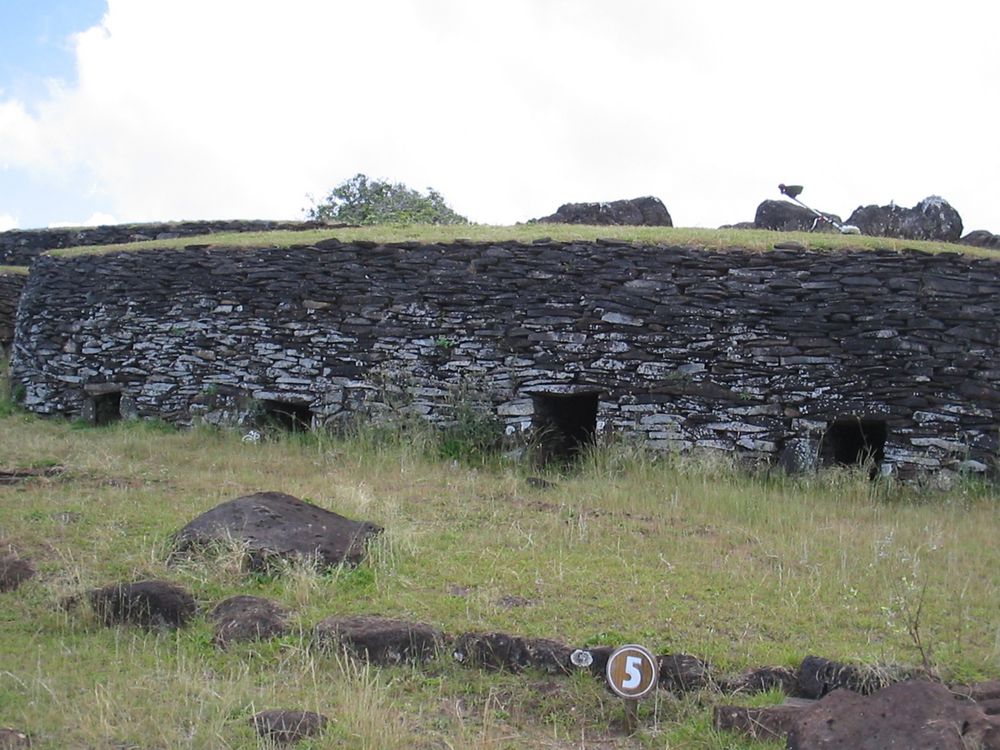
<point x="275" y="526"/>
<point x="13" y="572"/>
<point x="380" y="640"/>
<point x="148" y="604"/>
<point x="247" y="618"/>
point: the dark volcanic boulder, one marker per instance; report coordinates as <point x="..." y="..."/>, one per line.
<point x="275" y="526"/>
<point x="247" y="618"/>
<point x="683" y="673"/>
<point x="647" y="211"/>
<point x="912" y="715"/>
<point x="931" y="219"/>
<point x="782" y="216"/>
<point x="512" y="653"/>
<point x="285" y="727"/>
<point x="14" y="571"/>
<point x="981" y="238"/>
<point x="819" y="676"/>
<point x="380" y="640"/>
<point x="148" y="604"/>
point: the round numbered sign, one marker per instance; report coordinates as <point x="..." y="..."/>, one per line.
<point x="632" y="671"/>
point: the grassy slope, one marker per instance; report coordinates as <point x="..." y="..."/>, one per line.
<point x="18" y="270"/>
<point x="708" y="238"/>
<point x="681" y="555"/>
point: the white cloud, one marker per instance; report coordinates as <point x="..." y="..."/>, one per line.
<point x="8" y="222"/>
<point x="187" y="109"/>
<point x="94" y="220"/>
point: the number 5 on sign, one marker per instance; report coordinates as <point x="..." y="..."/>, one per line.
<point x="632" y="671"/>
<point x="633" y="668"/>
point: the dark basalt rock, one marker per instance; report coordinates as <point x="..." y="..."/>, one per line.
<point x="782" y="216"/>
<point x="981" y="238"/>
<point x="247" y="618"/>
<point x="819" y="676"/>
<point x="931" y="219"/>
<point x="276" y="526"/>
<point x="912" y="715"/>
<point x="285" y="727"/>
<point x="148" y="604"/>
<point x="682" y="673"/>
<point x="380" y="640"/>
<point x="14" y="571"/>
<point x="646" y="211"/>
<point x="500" y="651"/>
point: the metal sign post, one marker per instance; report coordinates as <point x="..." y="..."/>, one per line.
<point x="632" y="673"/>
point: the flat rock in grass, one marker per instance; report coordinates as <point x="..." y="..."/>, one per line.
<point x="14" y="571"/>
<point x="763" y="723"/>
<point x="500" y="651"/>
<point x="247" y="618"/>
<point x="762" y="679"/>
<point x="148" y="604"/>
<point x="914" y="715"/>
<point x="683" y="673"/>
<point x="380" y="640"/>
<point x="285" y="727"/>
<point x="276" y="526"/>
<point x="13" y="739"/>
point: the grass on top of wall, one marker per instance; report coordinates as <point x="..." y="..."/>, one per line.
<point x="680" y="553"/>
<point x="715" y="239"/>
<point x="16" y="270"/>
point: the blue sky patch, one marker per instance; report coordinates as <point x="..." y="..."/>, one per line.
<point x="35" y="43"/>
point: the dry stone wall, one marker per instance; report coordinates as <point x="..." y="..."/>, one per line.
<point x="21" y="246"/>
<point x="769" y="354"/>
<point x="11" y="285"/>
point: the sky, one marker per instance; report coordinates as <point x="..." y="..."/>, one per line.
<point x="159" y="110"/>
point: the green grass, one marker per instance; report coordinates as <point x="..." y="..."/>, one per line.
<point x="719" y="239"/>
<point x="683" y="554"/>
<point x="14" y="270"/>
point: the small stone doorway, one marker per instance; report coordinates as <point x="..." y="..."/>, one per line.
<point x="103" y="405"/>
<point x="286" y="416"/>
<point x="564" y="424"/>
<point x="854" y="441"/>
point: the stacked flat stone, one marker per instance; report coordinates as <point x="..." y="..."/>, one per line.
<point x="687" y="348"/>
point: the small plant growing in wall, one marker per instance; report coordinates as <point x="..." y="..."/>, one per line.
<point x="444" y="343"/>
<point x="475" y="432"/>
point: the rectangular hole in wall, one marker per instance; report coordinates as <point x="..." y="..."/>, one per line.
<point x="106" y="408"/>
<point x="854" y="441"/>
<point x="564" y="424"/>
<point x="286" y="415"/>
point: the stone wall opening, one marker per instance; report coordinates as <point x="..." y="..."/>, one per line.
<point x="102" y="408"/>
<point x="564" y="424"/>
<point x="286" y="415"/>
<point x="854" y="441"/>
